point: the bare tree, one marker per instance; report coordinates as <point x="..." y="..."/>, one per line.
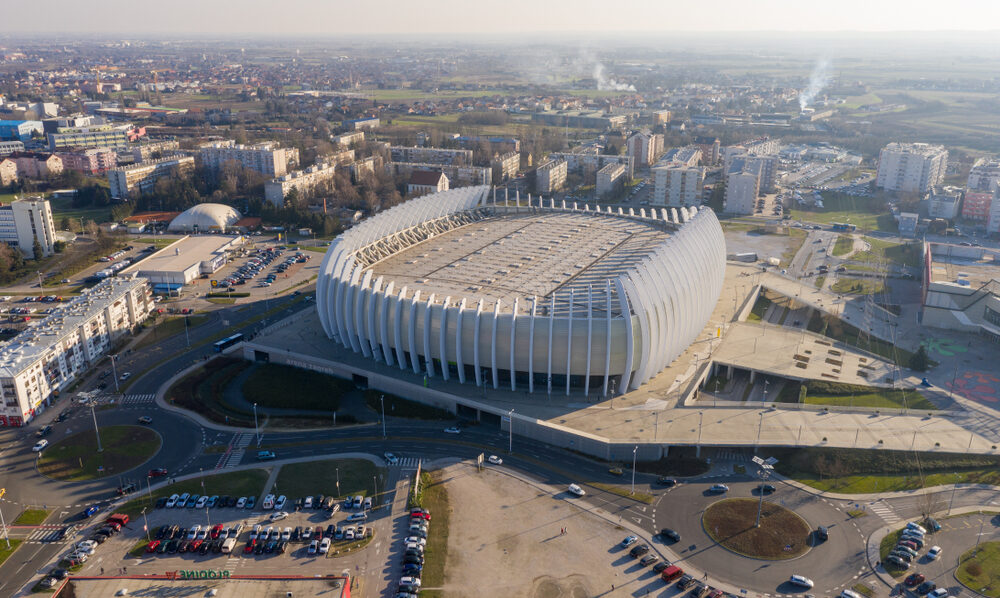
<point x="930" y="502"/>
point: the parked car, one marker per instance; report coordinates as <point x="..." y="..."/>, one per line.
<point x="639" y="550"/>
<point x="913" y="579"/>
<point x="495" y="460"/>
<point x="669" y="534"/>
<point x="934" y="553"/>
<point x="629" y="540"/>
<point x="576" y="490"/>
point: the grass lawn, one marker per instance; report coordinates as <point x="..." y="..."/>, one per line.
<point x="903" y="254"/>
<point x="158" y="242"/>
<point x="843" y="246"/>
<point x="759" y="309"/>
<point x="885" y="548"/>
<point x="857" y="286"/>
<point x="63" y="208"/>
<point x="399" y="407"/>
<point x="867" y="484"/>
<point x="782" y="534"/>
<point x="320" y="477"/>
<point x="819" y="281"/>
<point x="435" y="500"/>
<point x="889" y="399"/>
<point x="221" y="300"/>
<point x="796" y="236"/>
<point x="139" y="548"/>
<point x="31" y="517"/>
<point x="269" y="385"/>
<point x="249" y="482"/>
<point x="980" y="569"/>
<point x="166" y="326"/>
<point x="314" y="248"/>
<point x="75" y="458"/>
<point x="6" y="552"/>
<point x="201" y="391"/>
<point x="867" y="213"/>
<point x="642" y="497"/>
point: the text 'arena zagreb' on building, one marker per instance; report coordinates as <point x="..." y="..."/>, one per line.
<point x="539" y="298"/>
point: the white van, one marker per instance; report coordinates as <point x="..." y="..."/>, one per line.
<point x="268" y="502"/>
<point x="228" y="545"/>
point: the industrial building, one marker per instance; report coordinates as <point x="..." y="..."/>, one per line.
<point x="126" y="182"/>
<point x="581" y="119"/>
<point x="911" y="167"/>
<point x="47" y="358"/>
<point x="543" y="298"/>
<point x="184" y="260"/>
<point x="19" y="130"/>
<point x="25" y="221"/>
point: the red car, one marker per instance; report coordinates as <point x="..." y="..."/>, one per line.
<point x="195" y="545"/>
<point x="152" y="546"/>
<point x="158" y="472"/>
<point x="215" y="531"/>
<point x="250" y="546"/>
<point x="914" y="579"/>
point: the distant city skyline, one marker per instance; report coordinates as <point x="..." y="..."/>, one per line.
<point x="131" y="18"/>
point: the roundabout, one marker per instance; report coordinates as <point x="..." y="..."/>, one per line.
<point x="781" y="535"/>
<point x="76" y="458"/>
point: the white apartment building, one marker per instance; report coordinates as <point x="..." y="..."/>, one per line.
<point x="346" y="140"/>
<point x="642" y="149"/>
<point x="742" y="185"/>
<point x="25" y="220"/>
<point x="458" y="176"/>
<point x="588" y="164"/>
<point x="127" y="181"/>
<point x="505" y="166"/>
<point x="688" y="156"/>
<point x="265" y="158"/>
<point x="943" y="202"/>
<point x="303" y="181"/>
<point x="678" y="184"/>
<point x="911" y="167"/>
<point x="550" y="176"/>
<point x="9" y="147"/>
<point x="984" y="175"/>
<point x="430" y="155"/>
<point x="48" y="357"/>
<point x="148" y="150"/>
<point x="610" y="179"/>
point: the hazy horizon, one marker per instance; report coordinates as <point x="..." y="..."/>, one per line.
<point x="132" y="19"/>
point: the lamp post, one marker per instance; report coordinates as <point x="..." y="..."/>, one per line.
<point x="256" y="431"/>
<point x="765" y="470"/>
<point x="634" y="450"/>
<point x="381" y="401"/>
<point x="149" y="491"/>
<point x="953" y="488"/>
<point x="2" y="522"/>
<point x="510" y="432"/>
<point x="114" y="370"/>
<point x="338" y="482"/>
<point x="97" y="431"/>
<point x="145" y="524"/>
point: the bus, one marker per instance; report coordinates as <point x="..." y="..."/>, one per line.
<point x="844" y="227"/>
<point x="228" y="342"/>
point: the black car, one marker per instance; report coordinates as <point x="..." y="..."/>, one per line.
<point x="162" y="532"/>
<point x="162" y="548"/>
<point x="318" y="501"/>
<point x="658" y="567"/>
<point x="638" y="551"/>
<point x="669" y="534"/>
<point x="330" y="529"/>
<point x="822" y="534"/>
<point x="765" y="488"/>
<point x="172" y="546"/>
<point x="99" y="538"/>
<point x="665" y="481"/>
<point x="684" y="582"/>
<point x="223" y="501"/>
<point x="59" y="573"/>
<point x="282" y="547"/>
<point x="413" y="558"/>
<point x="296" y="533"/>
<point x="176" y="531"/>
<point x="161" y="502"/>
<point x="63" y="415"/>
<point x="44" y="431"/>
<point x="204" y="548"/>
<point x="271" y="546"/>
<point x="412" y="569"/>
<point x="927" y="586"/>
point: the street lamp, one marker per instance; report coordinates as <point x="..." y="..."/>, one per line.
<point x="97" y="431"/>
<point x="381" y="401"/>
<point x="766" y="467"/>
<point x="114" y="370"/>
<point x="954" y="486"/>
<point x="510" y="432"/>
<point x="256" y="431"/>
<point x="2" y="522"/>
<point x="145" y="524"/>
<point x="634" y="450"/>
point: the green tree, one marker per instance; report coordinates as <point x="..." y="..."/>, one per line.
<point x="64" y="224"/>
<point x="59" y="246"/>
<point x="919" y="360"/>
<point x="36" y="249"/>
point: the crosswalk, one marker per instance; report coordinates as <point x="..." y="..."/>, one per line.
<point x="883" y="510"/>
<point x="237" y="448"/>
<point x="46" y="534"/>
<point x="731" y="455"/>
<point x="407" y="462"/>
<point x="143" y="399"/>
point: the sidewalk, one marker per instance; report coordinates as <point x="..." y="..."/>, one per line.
<point x="877" y="495"/>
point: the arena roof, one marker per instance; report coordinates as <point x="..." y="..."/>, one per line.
<point x="523" y="255"/>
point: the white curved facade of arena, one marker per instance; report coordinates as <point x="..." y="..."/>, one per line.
<point x="539" y="298"/>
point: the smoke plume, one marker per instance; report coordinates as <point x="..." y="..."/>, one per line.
<point x="819" y="79"/>
<point x="604" y="83"/>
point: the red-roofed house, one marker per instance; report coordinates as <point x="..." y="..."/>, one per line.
<point x="423" y="182"/>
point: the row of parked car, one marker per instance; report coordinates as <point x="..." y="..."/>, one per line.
<point x="910" y="543"/>
<point x="413" y="554"/>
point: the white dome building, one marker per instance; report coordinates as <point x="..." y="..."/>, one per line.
<point x="204" y="218"/>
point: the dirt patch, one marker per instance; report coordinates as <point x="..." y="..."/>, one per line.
<point x="782" y="534"/>
<point x="515" y="531"/>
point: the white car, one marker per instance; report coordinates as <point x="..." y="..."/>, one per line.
<point x="255" y="532"/>
<point x="409" y="582"/>
<point x="452" y="430"/>
<point x="242" y="502"/>
<point x="800" y="580"/>
<point x="202" y="502"/>
<point x="415" y="540"/>
<point x="79" y="556"/>
<point x="268" y="503"/>
<point x="279" y="515"/>
<point x="917" y="527"/>
<point x="87" y="544"/>
<point x="313" y="547"/>
<point x="938" y="593"/>
<point x="40" y="446"/>
<point x="267" y="533"/>
<point x="87" y="550"/>
<point x="280" y="503"/>
<point x="324" y="546"/>
<point x="391" y="459"/>
<point x="125" y="376"/>
<point x="171" y="502"/>
<point x="286" y="534"/>
<point x="193" y="532"/>
<point x="307" y="503"/>
<point x="934" y="553"/>
<point x="358" y="517"/>
<point x="349" y="533"/>
<point x="574" y="489"/>
<point x="495" y="460"/>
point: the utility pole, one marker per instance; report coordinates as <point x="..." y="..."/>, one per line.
<point x="510" y="432"/>
<point x="187" y="336"/>
<point x="953" y="488"/>
<point x="145" y="524"/>
<point x="114" y="370"/>
<point x="634" y="451"/>
<point x="97" y="431"/>
<point x="338" y="482"/>
<point x="256" y="431"/>
<point x="381" y="400"/>
<point x="2" y="522"/>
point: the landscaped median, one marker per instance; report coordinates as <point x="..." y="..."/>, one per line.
<point x="31" y="517"/>
<point x="76" y="457"/>
<point x="247" y="482"/>
<point x="6" y="552"/>
<point x="979" y="569"/>
<point x="782" y="534"/>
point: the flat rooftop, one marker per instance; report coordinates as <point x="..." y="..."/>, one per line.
<point x="953" y="263"/>
<point x="523" y="255"/>
<point x="183" y="253"/>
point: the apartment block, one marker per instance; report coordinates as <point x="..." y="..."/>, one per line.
<point x="103" y="135"/>
<point x="943" y="202"/>
<point x="24" y="221"/>
<point x="742" y="186"/>
<point x="49" y="357"/>
<point x="265" y="158"/>
<point x="346" y="140"/>
<point x="431" y="155"/>
<point x="983" y="176"/>
<point x="687" y="156"/>
<point x="588" y="163"/>
<point x="678" y="184"/>
<point x="9" y="147"/>
<point x="303" y="181"/>
<point x="90" y="161"/>
<point x="505" y="166"/>
<point x="550" y="176"/>
<point x="977" y="205"/>
<point x="610" y="179"/>
<point x="127" y="181"/>
<point x="458" y="176"/>
<point x="911" y="167"/>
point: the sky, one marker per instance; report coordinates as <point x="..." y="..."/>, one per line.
<point x="133" y="18"/>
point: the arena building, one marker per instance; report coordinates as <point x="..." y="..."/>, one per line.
<point x="539" y="297"/>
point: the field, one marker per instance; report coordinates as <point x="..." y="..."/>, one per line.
<point x="887" y="251"/>
<point x="269" y="385"/>
<point x="867" y="213"/>
<point x="249" y="482"/>
<point x="336" y="477"/>
<point x="63" y="208"/>
<point x="75" y="458"/>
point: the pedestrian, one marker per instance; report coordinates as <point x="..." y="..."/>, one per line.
<point x="125" y="570"/>
<point x="102" y="570"/>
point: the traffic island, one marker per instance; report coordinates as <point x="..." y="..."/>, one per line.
<point x="979" y="569"/>
<point x="76" y="458"/>
<point x="782" y="534"/>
